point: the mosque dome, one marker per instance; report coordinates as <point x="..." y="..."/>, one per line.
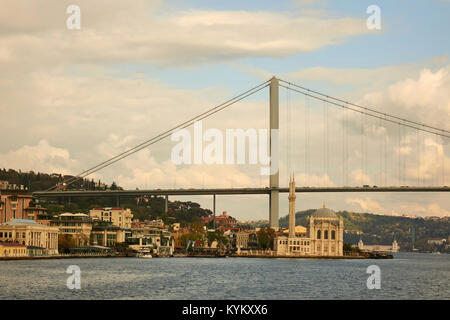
<point x="324" y="213"/>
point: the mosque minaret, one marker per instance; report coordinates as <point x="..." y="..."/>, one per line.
<point x="292" y="207"/>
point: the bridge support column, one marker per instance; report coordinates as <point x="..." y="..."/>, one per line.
<point x="214" y="211"/>
<point x="273" y="207"/>
<point x="274" y="156"/>
<point x="118" y="201"/>
<point x="166" y="204"/>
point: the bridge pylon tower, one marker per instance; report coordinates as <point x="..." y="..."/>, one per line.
<point x="274" y="181"/>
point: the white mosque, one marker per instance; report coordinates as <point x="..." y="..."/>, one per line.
<point x="324" y="233"/>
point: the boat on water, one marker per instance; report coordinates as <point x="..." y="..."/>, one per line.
<point x="144" y="254"/>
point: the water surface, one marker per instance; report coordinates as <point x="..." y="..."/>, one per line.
<point x="408" y="276"/>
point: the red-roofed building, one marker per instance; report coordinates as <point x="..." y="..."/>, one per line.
<point x="13" y="249"/>
<point x="222" y="220"/>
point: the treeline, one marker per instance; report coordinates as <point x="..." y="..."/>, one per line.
<point x="148" y="208"/>
<point x="42" y="181"/>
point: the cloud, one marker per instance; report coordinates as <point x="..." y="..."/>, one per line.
<point x="115" y="32"/>
<point x="425" y="98"/>
<point x="41" y="157"/>
<point x="358" y="177"/>
<point x="144" y="170"/>
<point x="361" y="80"/>
<point x="366" y="204"/>
<point x="416" y="208"/>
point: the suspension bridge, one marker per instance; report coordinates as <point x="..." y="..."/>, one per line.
<point x="383" y="122"/>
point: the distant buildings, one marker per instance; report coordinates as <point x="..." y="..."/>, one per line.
<point x="436" y="241"/>
<point x="18" y="204"/>
<point x="222" y="220"/>
<point x="86" y="231"/>
<point x="117" y="216"/>
<point x="393" y="248"/>
<point x="246" y="239"/>
<point x="31" y="234"/>
<point x="5" y="185"/>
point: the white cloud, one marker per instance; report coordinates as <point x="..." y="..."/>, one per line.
<point x="41" y="157"/>
<point x="425" y="98"/>
<point x="114" y="32"/>
<point x="144" y="170"/>
<point x="419" y="209"/>
<point x="358" y="177"/>
<point x="366" y="204"/>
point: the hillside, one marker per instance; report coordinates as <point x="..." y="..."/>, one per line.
<point x="33" y="181"/>
<point x="378" y="229"/>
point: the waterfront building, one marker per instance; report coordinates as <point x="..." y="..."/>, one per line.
<point x="392" y="248"/>
<point x="76" y="225"/>
<point x="242" y="239"/>
<point x="117" y="216"/>
<point x="31" y="234"/>
<point x="323" y="237"/>
<point x="246" y="239"/>
<point x="13" y="249"/>
<point x="106" y="234"/>
<point x="155" y="240"/>
<point x="436" y="241"/>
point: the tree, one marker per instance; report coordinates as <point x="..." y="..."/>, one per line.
<point x="265" y="236"/>
<point x="349" y="247"/>
<point x="190" y="236"/>
<point x="216" y="236"/>
<point x="65" y="242"/>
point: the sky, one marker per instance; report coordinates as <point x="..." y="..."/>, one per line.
<point x="70" y="99"/>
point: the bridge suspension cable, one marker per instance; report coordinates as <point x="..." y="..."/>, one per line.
<point x="366" y="108"/>
<point x="400" y="122"/>
<point x="166" y="133"/>
<point x="404" y="172"/>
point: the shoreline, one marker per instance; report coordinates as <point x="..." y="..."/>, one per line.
<point x="59" y="257"/>
<point x="301" y="257"/>
<point x="181" y="256"/>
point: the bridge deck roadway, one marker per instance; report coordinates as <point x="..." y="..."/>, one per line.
<point x="228" y="191"/>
